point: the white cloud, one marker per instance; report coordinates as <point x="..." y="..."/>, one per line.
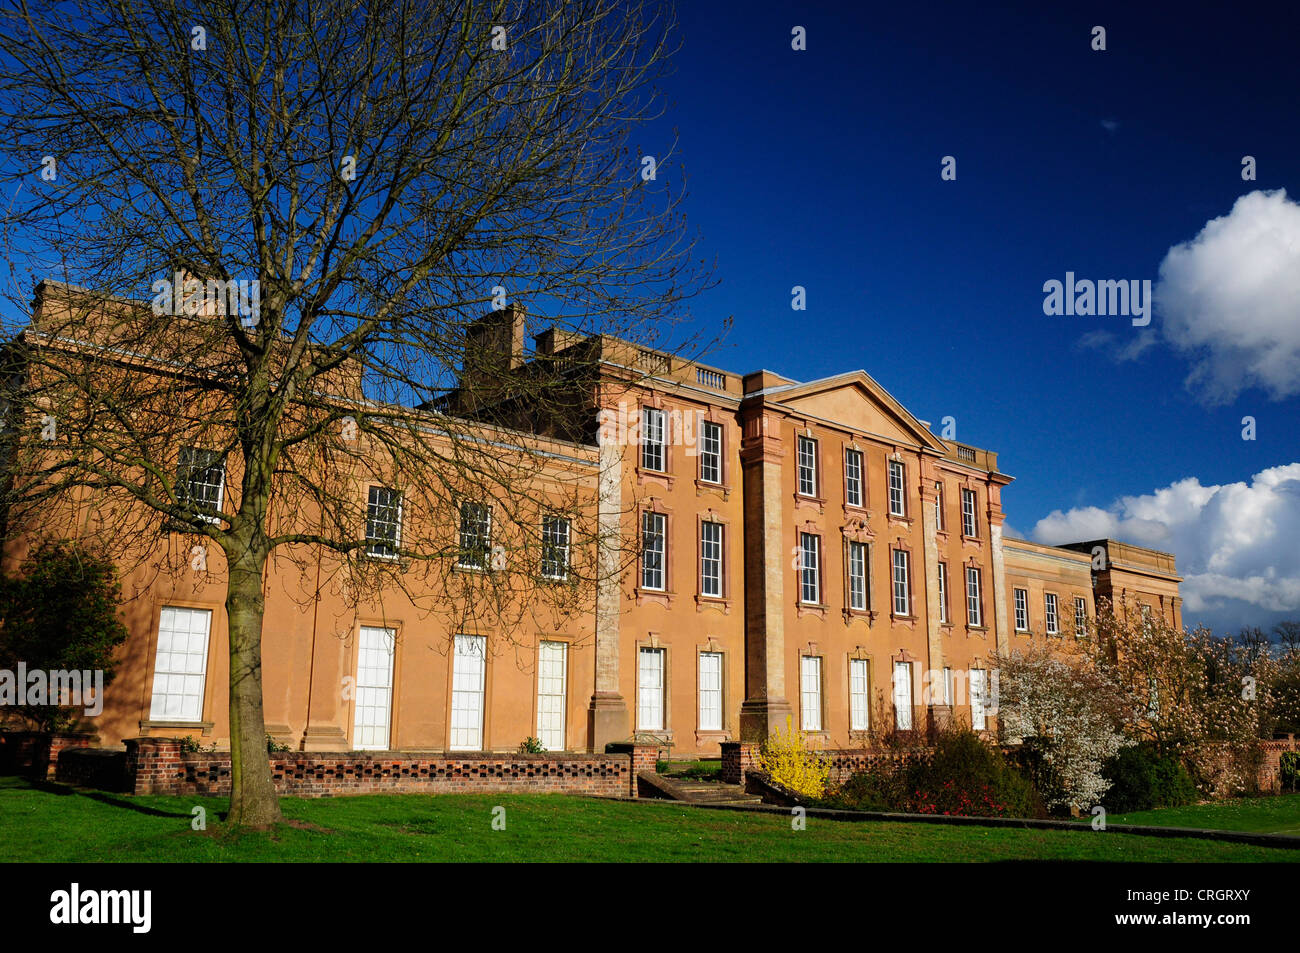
<point x="1237" y="545"/>
<point x="1230" y="299"/>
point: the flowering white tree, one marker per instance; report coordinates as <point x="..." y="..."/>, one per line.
<point x="1057" y="702"/>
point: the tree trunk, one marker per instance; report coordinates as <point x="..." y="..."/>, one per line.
<point x="253" y="801"/>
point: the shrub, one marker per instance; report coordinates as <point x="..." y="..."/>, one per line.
<point x="963" y="777"/>
<point x="785" y="757"/>
<point x="1142" y="780"/>
<point x="531" y="745"/>
<point x="1290" y="769"/>
<point x="966" y="776"/>
<point x="272" y="746"/>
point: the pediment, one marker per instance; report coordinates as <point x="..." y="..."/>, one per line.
<point x="859" y="403"/>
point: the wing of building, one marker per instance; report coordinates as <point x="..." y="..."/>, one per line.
<point x="802" y="550"/>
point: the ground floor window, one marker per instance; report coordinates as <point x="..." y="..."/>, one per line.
<point x="710" y="691"/>
<point x="810" y="692"/>
<point x="650" y="690"/>
<point x="469" y="669"/>
<point x="552" y="665"/>
<point x="859" y="695"/>
<point x="978" y="699"/>
<point x="373" y="693"/>
<point x="180" y="667"/>
<point x="903" y="696"/>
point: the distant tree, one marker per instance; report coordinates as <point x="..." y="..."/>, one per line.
<point x="1067" y="712"/>
<point x="60" y="613"/>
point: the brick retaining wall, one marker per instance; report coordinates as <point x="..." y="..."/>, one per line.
<point x="740" y="758"/>
<point x="159" y="766"/>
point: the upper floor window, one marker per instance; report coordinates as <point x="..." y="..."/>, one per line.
<point x="943" y="592"/>
<point x="1022" y="610"/>
<point x="652" y="439"/>
<point x="1080" y="617"/>
<point x="897" y="504"/>
<point x="857" y="576"/>
<point x="711" y="559"/>
<point x="475" y="535"/>
<point x="968" y="524"/>
<point x="200" y="481"/>
<point x="807" y="466"/>
<point x="902" y="585"/>
<point x="810" y="568"/>
<point x="1049" y="614"/>
<point x="853" y="477"/>
<point x="711" y="453"/>
<point x="938" y="506"/>
<point x="974" y="613"/>
<point x="383" y="522"/>
<point x="653" y="542"/>
<point x="555" y="547"/>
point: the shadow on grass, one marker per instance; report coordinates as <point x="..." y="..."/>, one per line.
<point x="103" y="797"/>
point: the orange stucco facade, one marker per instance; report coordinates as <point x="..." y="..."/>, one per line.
<point x="808" y="551"/>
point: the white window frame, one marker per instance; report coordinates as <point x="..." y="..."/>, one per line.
<point x="556" y="534"/>
<point x="1051" y="619"/>
<point x="943" y="593"/>
<point x="969" y="516"/>
<point x="938" y="506"/>
<point x="853" y="485"/>
<point x="552" y="692"/>
<point x="859" y="694"/>
<point x="857" y="565"/>
<point x="651" y="696"/>
<point x="900" y="561"/>
<point x="468" y="693"/>
<point x="710" y="691"/>
<point x="974" y="598"/>
<point x="654" y="453"/>
<point x="903" y="696"/>
<point x="372" y="695"/>
<point x="807" y="466"/>
<point x="977" y="683"/>
<point x="378" y="513"/>
<point x="947" y="686"/>
<point x="710" y="452"/>
<point x="810" y="570"/>
<point x="654" y="542"/>
<point x="473" y="532"/>
<point x="199" y="461"/>
<point x="897" y="488"/>
<point x="711" y="556"/>
<point x="180" y="673"/>
<point x="1021" y="597"/>
<point x="810" y="692"/>
<point x="1080" y="617"/>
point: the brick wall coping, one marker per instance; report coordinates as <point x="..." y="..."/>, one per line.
<point x="399" y="755"/>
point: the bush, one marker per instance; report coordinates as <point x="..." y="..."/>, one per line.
<point x="1290" y="770"/>
<point x="964" y="777"/>
<point x="785" y="757"/>
<point x="531" y="745"/>
<point x="1142" y="780"/>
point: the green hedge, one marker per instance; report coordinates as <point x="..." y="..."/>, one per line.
<point x="1141" y="780"/>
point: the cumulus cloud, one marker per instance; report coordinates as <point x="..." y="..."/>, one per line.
<point x="1237" y="545"/>
<point x="1230" y="299"/>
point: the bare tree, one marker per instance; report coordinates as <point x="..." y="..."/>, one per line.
<point x="278" y="226"/>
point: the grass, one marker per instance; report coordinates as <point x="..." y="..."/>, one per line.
<point x="1261" y="815"/>
<point x="56" y="823"/>
<point x="710" y="770"/>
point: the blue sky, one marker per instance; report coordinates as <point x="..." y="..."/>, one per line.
<point x="821" y="168"/>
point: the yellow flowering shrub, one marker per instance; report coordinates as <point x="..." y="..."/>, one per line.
<point x="786" y="758"/>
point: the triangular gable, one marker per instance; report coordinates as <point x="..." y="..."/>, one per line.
<point x="859" y="403"/>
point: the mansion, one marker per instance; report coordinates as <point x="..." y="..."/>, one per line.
<point x="804" y="551"/>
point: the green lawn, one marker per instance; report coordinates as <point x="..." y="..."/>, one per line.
<point x="1263" y="815"/>
<point x="52" y="823"/>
